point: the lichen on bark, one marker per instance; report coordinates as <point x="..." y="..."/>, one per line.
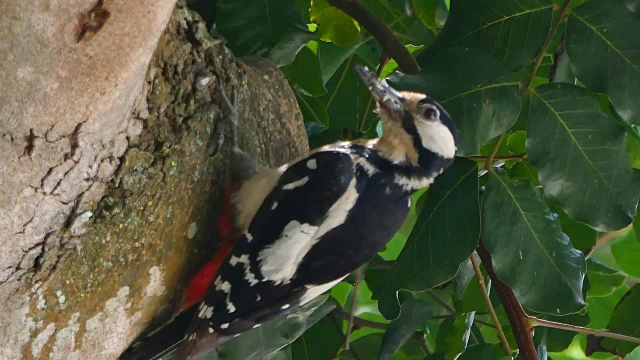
<point x="129" y="242"/>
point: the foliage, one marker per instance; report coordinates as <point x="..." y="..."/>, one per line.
<point x="554" y="93"/>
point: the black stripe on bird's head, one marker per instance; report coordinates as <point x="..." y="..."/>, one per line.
<point x="412" y="122"/>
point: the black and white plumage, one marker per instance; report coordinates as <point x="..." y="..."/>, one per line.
<point x="309" y="224"/>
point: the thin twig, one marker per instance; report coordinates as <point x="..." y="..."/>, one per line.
<point x="440" y="317"/>
<point x="381" y="32"/>
<point x="506" y="157"/>
<point x="359" y="322"/>
<point x="395" y="21"/>
<point x="418" y="337"/>
<point x="441" y="302"/>
<point x="562" y="10"/>
<point x="556" y="325"/>
<point x="492" y="311"/>
<point x="487" y="164"/>
<point x="354" y="307"/>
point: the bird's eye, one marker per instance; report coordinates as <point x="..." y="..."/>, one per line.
<point x="430" y="113"/>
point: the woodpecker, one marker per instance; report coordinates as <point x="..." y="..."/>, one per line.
<point x="308" y="224"/>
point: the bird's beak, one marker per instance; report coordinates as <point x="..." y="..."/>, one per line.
<point x="386" y="96"/>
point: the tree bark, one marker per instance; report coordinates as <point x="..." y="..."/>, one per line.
<point x="113" y="167"/>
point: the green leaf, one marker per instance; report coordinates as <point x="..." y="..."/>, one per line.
<point x="478" y="352"/>
<point x="438" y="243"/>
<point x="266" y="341"/>
<point x="313" y="110"/>
<point x="331" y="57"/>
<point x="333" y="24"/>
<point x="603" y="55"/>
<point x="479" y="93"/>
<point x="582" y="236"/>
<point x="530" y="252"/>
<point x="413" y="313"/>
<point x="304" y="73"/>
<point x="364" y="348"/>
<point x="634" y="355"/>
<point x="626" y="251"/>
<point x="472" y="299"/>
<point x="320" y="342"/>
<point x="604" y="280"/>
<point x="634" y="6"/>
<point x="625" y="320"/>
<point x="267" y="28"/>
<point x="511" y="31"/>
<point x="453" y="335"/>
<point x="347" y="97"/>
<point x="433" y="13"/>
<point x="580" y="154"/>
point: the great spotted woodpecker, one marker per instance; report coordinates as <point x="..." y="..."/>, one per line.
<point x="308" y="224"/>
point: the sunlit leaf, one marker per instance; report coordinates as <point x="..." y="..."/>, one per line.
<point x="626" y="251"/>
<point x="603" y="279"/>
<point x="530" y="252"/>
<point x="333" y="24"/>
<point x="581" y="157"/>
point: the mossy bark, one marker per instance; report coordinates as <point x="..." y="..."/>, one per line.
<point x="107" y="213"/>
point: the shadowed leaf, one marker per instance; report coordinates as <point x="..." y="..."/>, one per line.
<point x="530" y="252"/>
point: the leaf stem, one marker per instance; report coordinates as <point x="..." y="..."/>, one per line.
<point x="556" y="325"/>
<point x="492" y="311"/>
<point x="562" y="11"/>
<point x="487" y="164"/>
<point x="506" y="157"/>
<point x="354" y="307"/>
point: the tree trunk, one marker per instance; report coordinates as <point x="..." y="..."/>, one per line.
<point x="113" y="163"/>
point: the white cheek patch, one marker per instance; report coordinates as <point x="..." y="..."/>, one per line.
<point x="435" y="136"/>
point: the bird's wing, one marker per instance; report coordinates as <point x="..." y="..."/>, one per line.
<point x="254" y="284"/>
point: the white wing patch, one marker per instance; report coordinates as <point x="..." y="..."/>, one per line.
<point x="312" y="164"/>
<point x="313" y="291"/>
<point x="295" y="184"/>
<point x="278" y="260"/>
<point x="436" y="137"/>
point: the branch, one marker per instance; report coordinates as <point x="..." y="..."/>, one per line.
<point x="518" y="319"/>
<point x="492" y="311"/>
<point x="562" y="11"/>
<point x="381" y="32"/>
<point x="556" y="325"/>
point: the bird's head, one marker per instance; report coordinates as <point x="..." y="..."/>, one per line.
<point x="413" y="123"/>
